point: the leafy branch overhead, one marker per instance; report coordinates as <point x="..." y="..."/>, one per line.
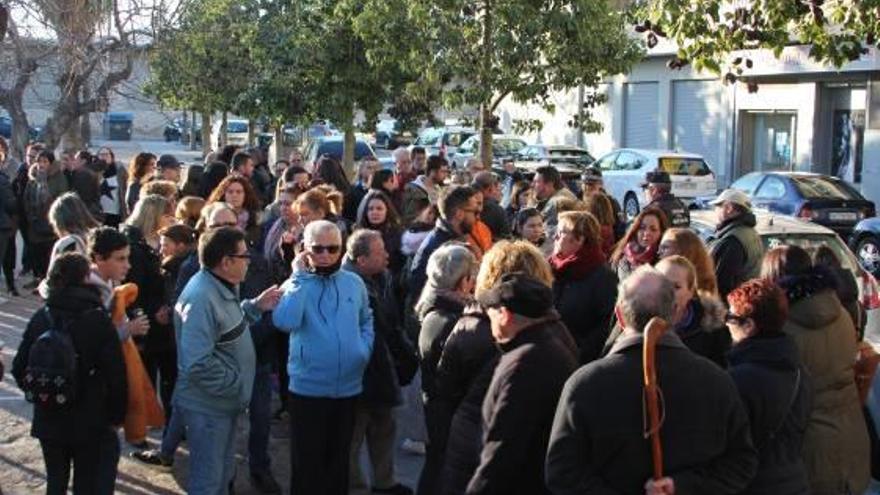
<point x="709" y="32"/>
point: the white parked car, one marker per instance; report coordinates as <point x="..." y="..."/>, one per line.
<point x="236" y="132"/>
<point x="623" y="172"/>
<point x="503" y="146"/>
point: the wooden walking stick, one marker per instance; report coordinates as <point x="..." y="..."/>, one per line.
<point x="655" y="329"/>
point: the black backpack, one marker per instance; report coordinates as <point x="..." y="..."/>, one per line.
<point x="50" y="379"/>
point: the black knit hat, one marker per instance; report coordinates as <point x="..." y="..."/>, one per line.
<point x="521" y="294"/>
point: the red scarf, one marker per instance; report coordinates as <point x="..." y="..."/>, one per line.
<point x="637" y="258"/>
<point x="578" y="265"/>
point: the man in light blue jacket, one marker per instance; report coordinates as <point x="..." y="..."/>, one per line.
<point x="215" y="358"/>
<point x="327" y="313"/>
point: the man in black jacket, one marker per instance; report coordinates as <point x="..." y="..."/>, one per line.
<point x="598" y="443"/>
<point x="538" y="356"/>
<point x="658" y="192"/>
<point x="493" y="214"/>
<point x="374" y="416"/>
<point x="736" y="248"/>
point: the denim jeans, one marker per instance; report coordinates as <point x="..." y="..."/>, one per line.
<point x="172" y="436"/>
<point x="260" y="416"/>
<point x="211" y="440"/>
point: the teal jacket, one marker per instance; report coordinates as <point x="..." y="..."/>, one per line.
<point x="215" y="352"/>
<point x="331" y="332"/>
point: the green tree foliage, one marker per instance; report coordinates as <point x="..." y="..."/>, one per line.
<point x="709" y="32"/>
<point x="482" y="52"/>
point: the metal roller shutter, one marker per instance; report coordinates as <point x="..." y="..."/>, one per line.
<point x="641" y="120"/>
<point x="697" y="120"/>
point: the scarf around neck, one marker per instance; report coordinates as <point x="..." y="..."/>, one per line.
<point x="578" y="265"/>
<point x="638" y="257"/>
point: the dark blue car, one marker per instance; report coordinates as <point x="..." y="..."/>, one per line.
<point x="865" y="244"/>
<point x="823" y="199"/>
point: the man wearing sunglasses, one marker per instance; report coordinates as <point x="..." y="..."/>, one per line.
<point x="327" y="313"/>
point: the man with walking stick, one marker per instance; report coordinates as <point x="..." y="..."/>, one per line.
<point x="600" y="442"/>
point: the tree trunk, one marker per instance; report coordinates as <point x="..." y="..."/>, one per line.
<point x="252" y="132"/>
<point x="184" y="139"/>
<point x="224" y="121"/>
<point x="19" y="138"/>
<point x="192" y="132"/>
<point x="85" y="125"/>
<point x="486" y="119"/>
<point x="206" y="133"/>
<point x="348" y="150"/>
<point x="277" y="150"/>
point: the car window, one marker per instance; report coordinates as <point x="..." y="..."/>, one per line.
<point x="468" y="146"/>
<point x="507" y="146"/>
<point x="694" y="167"/>
<point x="771" y="188"/>
<point x="456" y="138"/>
<point x="529" y="153"/>
<point x="811" y="242"/>
<point x="628" y="161"/>
<point x="748" y="183"/>
<point x="429" y="138"/>
<point x="822" y="187"/>
<point x="236" y="127"/>
<point x="608" y="162"/>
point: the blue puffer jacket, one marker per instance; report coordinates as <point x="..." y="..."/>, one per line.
<point x="215" y="357"/>
<point x="331" y="332"/>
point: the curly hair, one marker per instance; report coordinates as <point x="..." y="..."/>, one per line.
<point x="764" y="302"/>
<point x="583" y="225"/>
<point x="688" y="244"/>
<point x="165" y="188"/>
<point x="251" y="201"/>
<point x="633" y="230"/>
<point x="512" y="256"/>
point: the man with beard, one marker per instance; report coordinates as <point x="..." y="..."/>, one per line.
<point x="459" y="208"/>
<point x="327" y="313"/>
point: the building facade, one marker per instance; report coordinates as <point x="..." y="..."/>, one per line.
<point x="803" y="116"/>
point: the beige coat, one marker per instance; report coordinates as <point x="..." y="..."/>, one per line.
<point x="836" y="447"/>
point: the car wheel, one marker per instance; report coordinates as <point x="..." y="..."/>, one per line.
<point x="630" y="206"/>
<point x="868" y="253"/>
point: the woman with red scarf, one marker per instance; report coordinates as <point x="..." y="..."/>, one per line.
<point x="640" y="243"/>
<point x="585" y="287"/>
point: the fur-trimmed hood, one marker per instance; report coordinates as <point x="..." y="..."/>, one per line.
<point x="806" y="285"/>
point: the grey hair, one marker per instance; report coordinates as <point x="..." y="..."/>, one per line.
<point x="646" y="293"/>
<point x="398" y="153"/>
<point x="318" y="227"/>
<point x="70" y="215"/>
<point x="359" y="243"/>
<point x="447" y="266"/>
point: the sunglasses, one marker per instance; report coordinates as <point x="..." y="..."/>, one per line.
<point x="318" y="249"/>
<point x="735" y="318"/>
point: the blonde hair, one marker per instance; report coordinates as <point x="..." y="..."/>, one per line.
<point x="512" y="256"/>
<point x="164" y="188"/>
<point x="584" y="226"/>
<point x="148" y="213"/>
<point x="689" y="245"/>
<point x="189" y="209"/>
<point x="569" y="204"/>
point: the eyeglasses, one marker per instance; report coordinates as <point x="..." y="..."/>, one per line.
<point x="735" y="318"/>
<point x="318" y="249"/>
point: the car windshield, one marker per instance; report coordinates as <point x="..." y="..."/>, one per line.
<point x="429" y="138"/>
<point x="684" y="166"/>
<point x="822" y="188"/>
<point x="334" y="149"/>
<point x="811" y="242"/>
<point x="236" y="127"/>
<point x="507" y="146"/>
<point x="580" y="156"/>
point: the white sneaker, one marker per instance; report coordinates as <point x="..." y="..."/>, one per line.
<point x="411" y="446"/>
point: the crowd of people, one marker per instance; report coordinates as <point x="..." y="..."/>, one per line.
<point x="515" y="307"/>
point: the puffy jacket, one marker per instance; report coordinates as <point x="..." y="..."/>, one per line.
<point x="102" y="390"/>
<point x="777" y="394"/>
<point x="330" y="324"/>
<point x="704" y="332"/>
<point x="463" y="377"/>
<point x="215" y="359"/>
<point x="836" y="446"/>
